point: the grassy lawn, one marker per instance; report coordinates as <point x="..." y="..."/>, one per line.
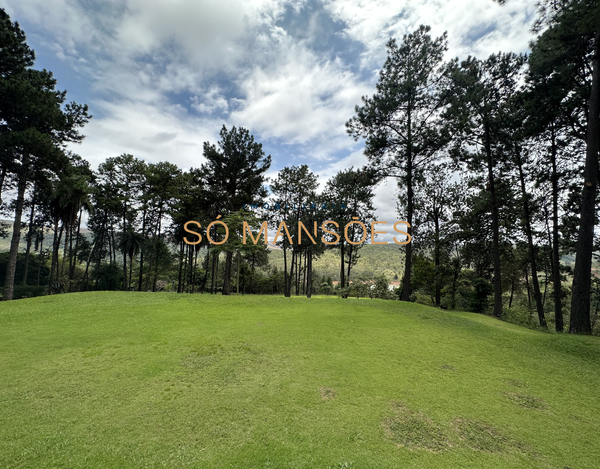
<point x="165" y="380"/>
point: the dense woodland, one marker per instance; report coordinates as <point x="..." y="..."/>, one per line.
<point x="495" y="158"/>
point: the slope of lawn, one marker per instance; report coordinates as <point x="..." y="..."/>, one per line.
<point x="164" y="380"/>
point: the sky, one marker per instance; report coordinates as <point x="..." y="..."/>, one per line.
<point x="163" y="76"/>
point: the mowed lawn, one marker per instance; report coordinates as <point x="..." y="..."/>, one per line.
<point x="164" y="380"/>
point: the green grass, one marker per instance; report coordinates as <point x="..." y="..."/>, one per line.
<point x="165" y="380"/>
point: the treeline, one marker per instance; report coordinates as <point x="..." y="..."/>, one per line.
<point x="488" y="155"/>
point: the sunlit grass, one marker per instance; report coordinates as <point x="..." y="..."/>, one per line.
<point x="165" y="380"/>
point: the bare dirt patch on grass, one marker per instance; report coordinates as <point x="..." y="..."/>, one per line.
<point x="525" y="400"/>
<point x="481" y="436"/>
<point x="327" y="394"/>
<point x="517" y="383"/>
<point x="414" y="430"/>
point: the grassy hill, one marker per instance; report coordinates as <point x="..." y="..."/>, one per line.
<point x="165" y="380"/>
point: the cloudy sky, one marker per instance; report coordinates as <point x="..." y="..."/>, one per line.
<point x="162" y="76"/>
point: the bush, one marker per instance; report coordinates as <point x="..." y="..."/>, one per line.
<point x="482" y="289"/>
<point x="343" y="292"/>
<point x="381" y="289"/>
<point x="520" y="315"/>
<point x="110" y="277"/>
<point x="421" y="298"/>
<point x="28" y="291"/>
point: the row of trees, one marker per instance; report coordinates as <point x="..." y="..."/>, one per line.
<point x="35" y="125"/>
<point x="514" y="130"/>
<point x="136" y="211"/>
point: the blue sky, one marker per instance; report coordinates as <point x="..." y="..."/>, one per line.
<point x="162" y="76"/>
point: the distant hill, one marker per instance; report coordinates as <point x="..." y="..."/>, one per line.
<point x="6" y="229"/>
<point x="387" y="259"/>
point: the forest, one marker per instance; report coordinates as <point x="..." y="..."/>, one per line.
<point x="495" y="160"/>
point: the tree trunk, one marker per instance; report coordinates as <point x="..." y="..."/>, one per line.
<point x="54" y="256"/>
<point x="409" y="217"/>
<point x="150" y="266"/>
<point x="556" y="281"/>
<point x="29" y="238"/>
<point x="298" y="271"/>
<point x="130" y="268"/>
<point x="68" y="235"/>
<point x="142" y="250"/>
<point x="580" y="303"/>
<point x="285" y="273"/>
<point x="194" y="269"/>
<point x="59" y="239"/>
<point x="292" y="277"/>
<point x="11" y="267"/>
<point x="350" y="252"/>
<point x="186" y="259"/>
<point x="100" y="248"/>
<point x="227" y="273"/>
<point x="40" y="258"/>
<point x="437" y="255"/>
<point x="545" y="285"/>
<point x="217" y="262"/>
<point x="156" y="250"/>
<point x="305" y="271"/>
<point x="180" y="278"/>
<point x="238" y="273"/>
<point x="495" y="226"/>
<point x="84" y="280"/>
<point x="206" y="262"/>
<point x="212" y="276"/>
<point x="124" y="272"/>
<point x="527" y="222"/>
<point x="309" y="274"/>
<point x="409" y="210"/>
<point x="454" y="285"/>
<point x="342" y="269"/>
<point x="527" y="286"/>
<point x="73" y="254"/>
<point x="114" y="246"/>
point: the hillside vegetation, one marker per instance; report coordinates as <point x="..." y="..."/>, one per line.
<point x="131" y="380"/>
<point x="374" y="260"/>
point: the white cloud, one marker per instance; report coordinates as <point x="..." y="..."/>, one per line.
<point x="210" y="101"/>
<point x="234" y="62"/>
<point x="300" y="99"/>
<point x="148" y="132"/>
<point x="373" y="22"/>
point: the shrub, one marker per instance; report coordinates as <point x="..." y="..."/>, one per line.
<point x="482" y="289"/>
<point x="28" y="291"/>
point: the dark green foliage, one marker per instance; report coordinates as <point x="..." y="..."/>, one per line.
<point x="481" y="290"/>
<point x="110" y="277"/>
<point x="35" y="124"/>
<point x="401" y="123"/>
<point x="235" y="175"/>
<point x="28" y="291"/>
<point x="354" y="188"/>
<point x="381" y="289"/>
<point x="34" y="263"/>
<point x="15" y="54"/>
